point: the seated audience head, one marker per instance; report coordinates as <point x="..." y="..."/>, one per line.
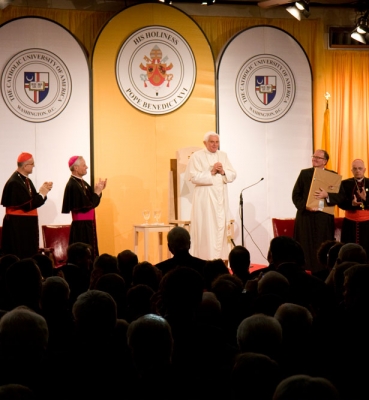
<point x="228" y="290"/>
<point x="139" y="301"/>
<point x="150" y="340"/>
<point x="103" y="264"/>
<point x="352" y="252"/>
<point x="80" y="254"/>
<point x="127" y="259"/>
<point x="55" y="294"/>
<point x="273" y="282"/>
<point x="254" y="376"/>
<point x="260" y="333"/>
<point x="356" y="283"/>
<point x="180" y="292"/>
<point x="296" y="322"/>
<point x="24" y="282"/>
<point x="333" y="255"/>
<point x="45" y="264"/>
<point x="107" y="263"/>
<point x="23" y="334"/>
<point x="210" y="310"/>
<point x="145" y="273"/>
<point x="322" y="253"/>
<point x="5" y="262"/>
<point x="239" y="262"/>
<point x="284" y="249"/>
<point x="15" y="391"/>
<point x="339" y="278"/>
<point x="304" y="387"/>
<point x="95" y="314"/>
<point x="213" y="269"/>
<point x="114" y="285"/>
<point x="272" y="291"/>
<point x="78" y="279"/>
<point x="179" y="240"/>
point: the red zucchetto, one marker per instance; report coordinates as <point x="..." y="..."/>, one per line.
<point x="72" y="160"/>
<point x="24" y="157"/>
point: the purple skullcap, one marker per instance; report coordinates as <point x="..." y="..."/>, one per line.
<point x="72" y="160"/>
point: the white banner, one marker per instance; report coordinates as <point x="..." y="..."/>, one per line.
<point x="44" y="107"/>
<point x="265" y="126"/>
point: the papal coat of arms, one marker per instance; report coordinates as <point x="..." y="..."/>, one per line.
<point x="156" y="68"/>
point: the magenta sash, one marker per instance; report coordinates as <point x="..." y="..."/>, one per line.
<point x="88" y="216"/>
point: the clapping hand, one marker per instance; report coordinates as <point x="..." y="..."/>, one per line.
<point x="100" y="186"/>
<point x="45" y="188"/>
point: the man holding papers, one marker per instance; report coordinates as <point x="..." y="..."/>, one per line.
<point x="355" y="226"/>
<point x="314" y="222"/>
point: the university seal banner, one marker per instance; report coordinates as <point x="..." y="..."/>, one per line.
<point x="44" y="105"/>
<point x="265" y="88"/>
<point x="156" y="70"/>
<point x="36" y="85"/>
<point x="265" y="125"/>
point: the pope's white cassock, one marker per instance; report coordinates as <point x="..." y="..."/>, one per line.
<point x="210" y="215"/>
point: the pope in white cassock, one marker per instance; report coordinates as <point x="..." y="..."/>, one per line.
<point x="210" y="171"/>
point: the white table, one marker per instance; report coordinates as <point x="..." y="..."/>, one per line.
<point x="147" y="229"/>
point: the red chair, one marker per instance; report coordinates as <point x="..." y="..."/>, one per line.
<point x="283" y="226"/>
<point x="56" y="239"/>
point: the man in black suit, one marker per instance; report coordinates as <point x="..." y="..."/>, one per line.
<point x="313" y="227"/>
<point x="355" y="225"/>
<point x="179" y="242"/>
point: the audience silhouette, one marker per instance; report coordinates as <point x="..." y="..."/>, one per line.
<point x="185" y="328"/>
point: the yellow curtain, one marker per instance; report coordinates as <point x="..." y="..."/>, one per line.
<point x="344" y="74"/>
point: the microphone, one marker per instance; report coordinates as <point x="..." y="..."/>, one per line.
<point x="261" y="179"/>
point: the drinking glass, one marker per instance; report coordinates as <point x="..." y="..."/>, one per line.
<point x="146" y="215"/>
<point x="157" y="215"/>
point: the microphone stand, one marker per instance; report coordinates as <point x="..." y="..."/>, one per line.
<point x="241" y="209"/>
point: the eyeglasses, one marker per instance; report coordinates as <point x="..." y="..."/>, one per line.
<point x="318" y="158"/>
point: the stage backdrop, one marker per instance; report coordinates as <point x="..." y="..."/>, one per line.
<point x="153" y="93"/>
<point x="264" y="85"/>
<point x="44" y="107"/>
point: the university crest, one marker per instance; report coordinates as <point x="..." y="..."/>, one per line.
<point x="265" y="88"/>
<point x="36" y="85"/>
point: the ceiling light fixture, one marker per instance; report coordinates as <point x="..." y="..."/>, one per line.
<point x="208" y="2"/>
<point x="361" y="29"/>
<point x="299" y="9"/>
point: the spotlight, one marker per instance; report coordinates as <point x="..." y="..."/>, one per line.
<point x="207" y="2"/>
<point x="362" y="28"/>
<point x="302" y="5"/>
<point x="294" y="12"/>
<point x="299" y="9"/>
<point x="5" y="3"/>
<point x="358" y="36"/>
<point x="362" y="24"/>
<point x="170" y="2"/>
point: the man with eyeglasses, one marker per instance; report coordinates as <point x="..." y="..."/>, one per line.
<point x="313" y="227"/>
<point x="355" y="225"/>
<point x="20" y="234"/>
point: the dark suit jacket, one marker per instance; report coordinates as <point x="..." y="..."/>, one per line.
<point x="182" y="260"/>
